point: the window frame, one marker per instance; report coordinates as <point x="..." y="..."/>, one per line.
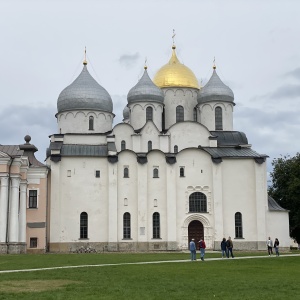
<point x="33" y="242"/>
<point x="91" y="123"/>
<point x="238" y="225"/>
<point x="181" y="172"/>
<point x="197" y="203"/>
<point x="155" y="172"/>
<point x="149" y="146"/>
<point x="33" y="198"/>
<point x="123" y="145"/>
<point x="84" y="219"/>
<point x="179" y="113"/>
<point x="126" y="226"/>
<point x="218" y="118"/>
<point x="126" y="172"/>
<point x="156" y="225"/>
<point x="149" y="113"/>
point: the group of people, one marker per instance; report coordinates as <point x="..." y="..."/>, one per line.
<point x="227" y="246"/>
<point x="270" y="246"/>
<point x="201" y="246"/>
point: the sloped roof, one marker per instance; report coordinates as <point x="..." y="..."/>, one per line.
<point x="273" y="205"/>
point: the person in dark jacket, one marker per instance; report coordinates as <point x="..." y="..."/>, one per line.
<point x="223" y="248"/>
<point x="229" y="246"/>
<point x="276" y="246"/>
<point x="202" y="247"/>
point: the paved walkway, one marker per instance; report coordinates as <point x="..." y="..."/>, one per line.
<point x="144" y="263"/>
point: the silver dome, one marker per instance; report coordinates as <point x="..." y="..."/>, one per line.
<point x="215" y="90"/>
<point x="145" y="90"/>
<point x="126" y="112"/>
<point x="84" y="93"/>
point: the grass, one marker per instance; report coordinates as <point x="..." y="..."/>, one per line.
<point x="268" y="278"/>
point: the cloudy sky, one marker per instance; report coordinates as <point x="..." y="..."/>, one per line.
<point x="255" y="43"/>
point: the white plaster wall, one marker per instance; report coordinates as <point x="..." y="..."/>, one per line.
<point x="82" y="192"/>
<point x="138" y="114"/>
<point x="122" y="132"/>
<point x="78" y="121"/>
<point x="149" y="133"/>
<point x="84" y="139"/>
<point x="278" y="227"/>
<point x="127" y="188"/>
<point x="239" y="195"/>
<point x="207" y="115"/>
<point x="186" y="97"/>
<point x="188" y="134"/>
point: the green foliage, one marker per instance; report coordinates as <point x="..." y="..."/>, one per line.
<point x="285" y="189"/>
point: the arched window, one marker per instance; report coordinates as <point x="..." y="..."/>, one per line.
<point x="83" y="225"/>
<point x="218" y="118"/>
<point x="175" y="149"/>
<point x="156" y="225"/>
<point x="126" y="226"/>
<point x="123" y="145"/>
<point x="179" y="113"/>
<point x="181" y="171"/>
<point x="149" y="113"/>
<point x="195" y="114"/>
<point x="126" y="172"/>
<point x="197" y="202"/>
<point x="149" y="145"/>
<point x="91" y="123"/>
<point x="155" y="173"/>
<point x="238" y="225"/>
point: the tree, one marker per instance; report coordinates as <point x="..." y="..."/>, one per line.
<point x="285" y="189"/>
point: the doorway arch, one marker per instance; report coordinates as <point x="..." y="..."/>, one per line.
<point x="195" y="231"/>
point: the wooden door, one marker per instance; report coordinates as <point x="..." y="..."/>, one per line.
<point x="196" y="231"/>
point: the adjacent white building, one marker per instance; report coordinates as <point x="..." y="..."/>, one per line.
<point x="173" y="170"/>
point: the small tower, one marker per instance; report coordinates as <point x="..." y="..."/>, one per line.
<point x="84" y="106"/>
<point x="146" y="102"/>
<point x="215" y="103"/>
<point x="180" y="87"/>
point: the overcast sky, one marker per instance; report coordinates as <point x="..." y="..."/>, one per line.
<point x="256" y="45"/>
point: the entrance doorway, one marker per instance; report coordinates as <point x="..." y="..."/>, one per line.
<point x="196" y="231"/>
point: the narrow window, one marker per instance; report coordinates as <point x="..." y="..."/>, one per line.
<point x="91" y="123"/>
<point x="149" y="113"/>
<point x="155" y="203"/>
<point x="125" y="202"/>
<point x="126" y="226"/>
<point x="238" y="225"/>
<point x="179" y="113"/>
<point x="155" y="173"/>
<point x="69" y="173"/>
<point x="33" y="242"/>
<point x="197" y="202"/>
<point x="181" y="171"/>
<point x="149" y="146"/>
<point x="218" y="118"/>
<point x="195" y="114"/>
<point x="32" y="199"/>
<point x="83" y="225"/>
<point x="126" y="172"/>
<point x="175" y="149"/>
<point x="123" y="145"/>
<point x="156" y="225"/>
<point x="97" y="173"/>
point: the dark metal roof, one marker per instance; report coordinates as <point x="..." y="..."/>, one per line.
<point x="84" y="150"/>
<point x="230" y="138"/>
<point x="273" y="205"/>
<point x="232" y="152"/>
<point x="12" y="150"/>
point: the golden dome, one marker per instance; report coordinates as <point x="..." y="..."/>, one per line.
<point x="175" y="74"/>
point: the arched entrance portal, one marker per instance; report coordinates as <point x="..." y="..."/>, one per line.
<point x="196" y="231"/>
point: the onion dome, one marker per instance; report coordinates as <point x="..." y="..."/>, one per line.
<point x="84" y="93"/>
<point x="215" y="90"/>
<point x="175" y="74"/>
<point x="126" y="112"/>
<point x="145" y="90"/>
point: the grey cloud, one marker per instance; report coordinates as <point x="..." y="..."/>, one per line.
<point x="129" y="60"/>
<point x="295" y="73"/>
<point x="286" y="91"/>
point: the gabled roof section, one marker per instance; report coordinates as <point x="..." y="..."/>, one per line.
<point x="217" y="152"/>
<point x="12" y="150"/>
<point x="230" y="138"/>
<point x="274" y="206"/>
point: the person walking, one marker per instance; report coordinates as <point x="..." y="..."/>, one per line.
<point x="193" y="249"/>
<point x="229" y="246"/>
<point x="270" y="246"/>
<point x="202" y="247"/>
<point x="276" y="246"/>
<point x="223" y="248"/>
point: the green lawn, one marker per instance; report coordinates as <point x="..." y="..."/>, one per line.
<point x="256" y="278"/>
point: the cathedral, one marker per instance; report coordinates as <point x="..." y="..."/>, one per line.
<point x="173" y="170"/>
